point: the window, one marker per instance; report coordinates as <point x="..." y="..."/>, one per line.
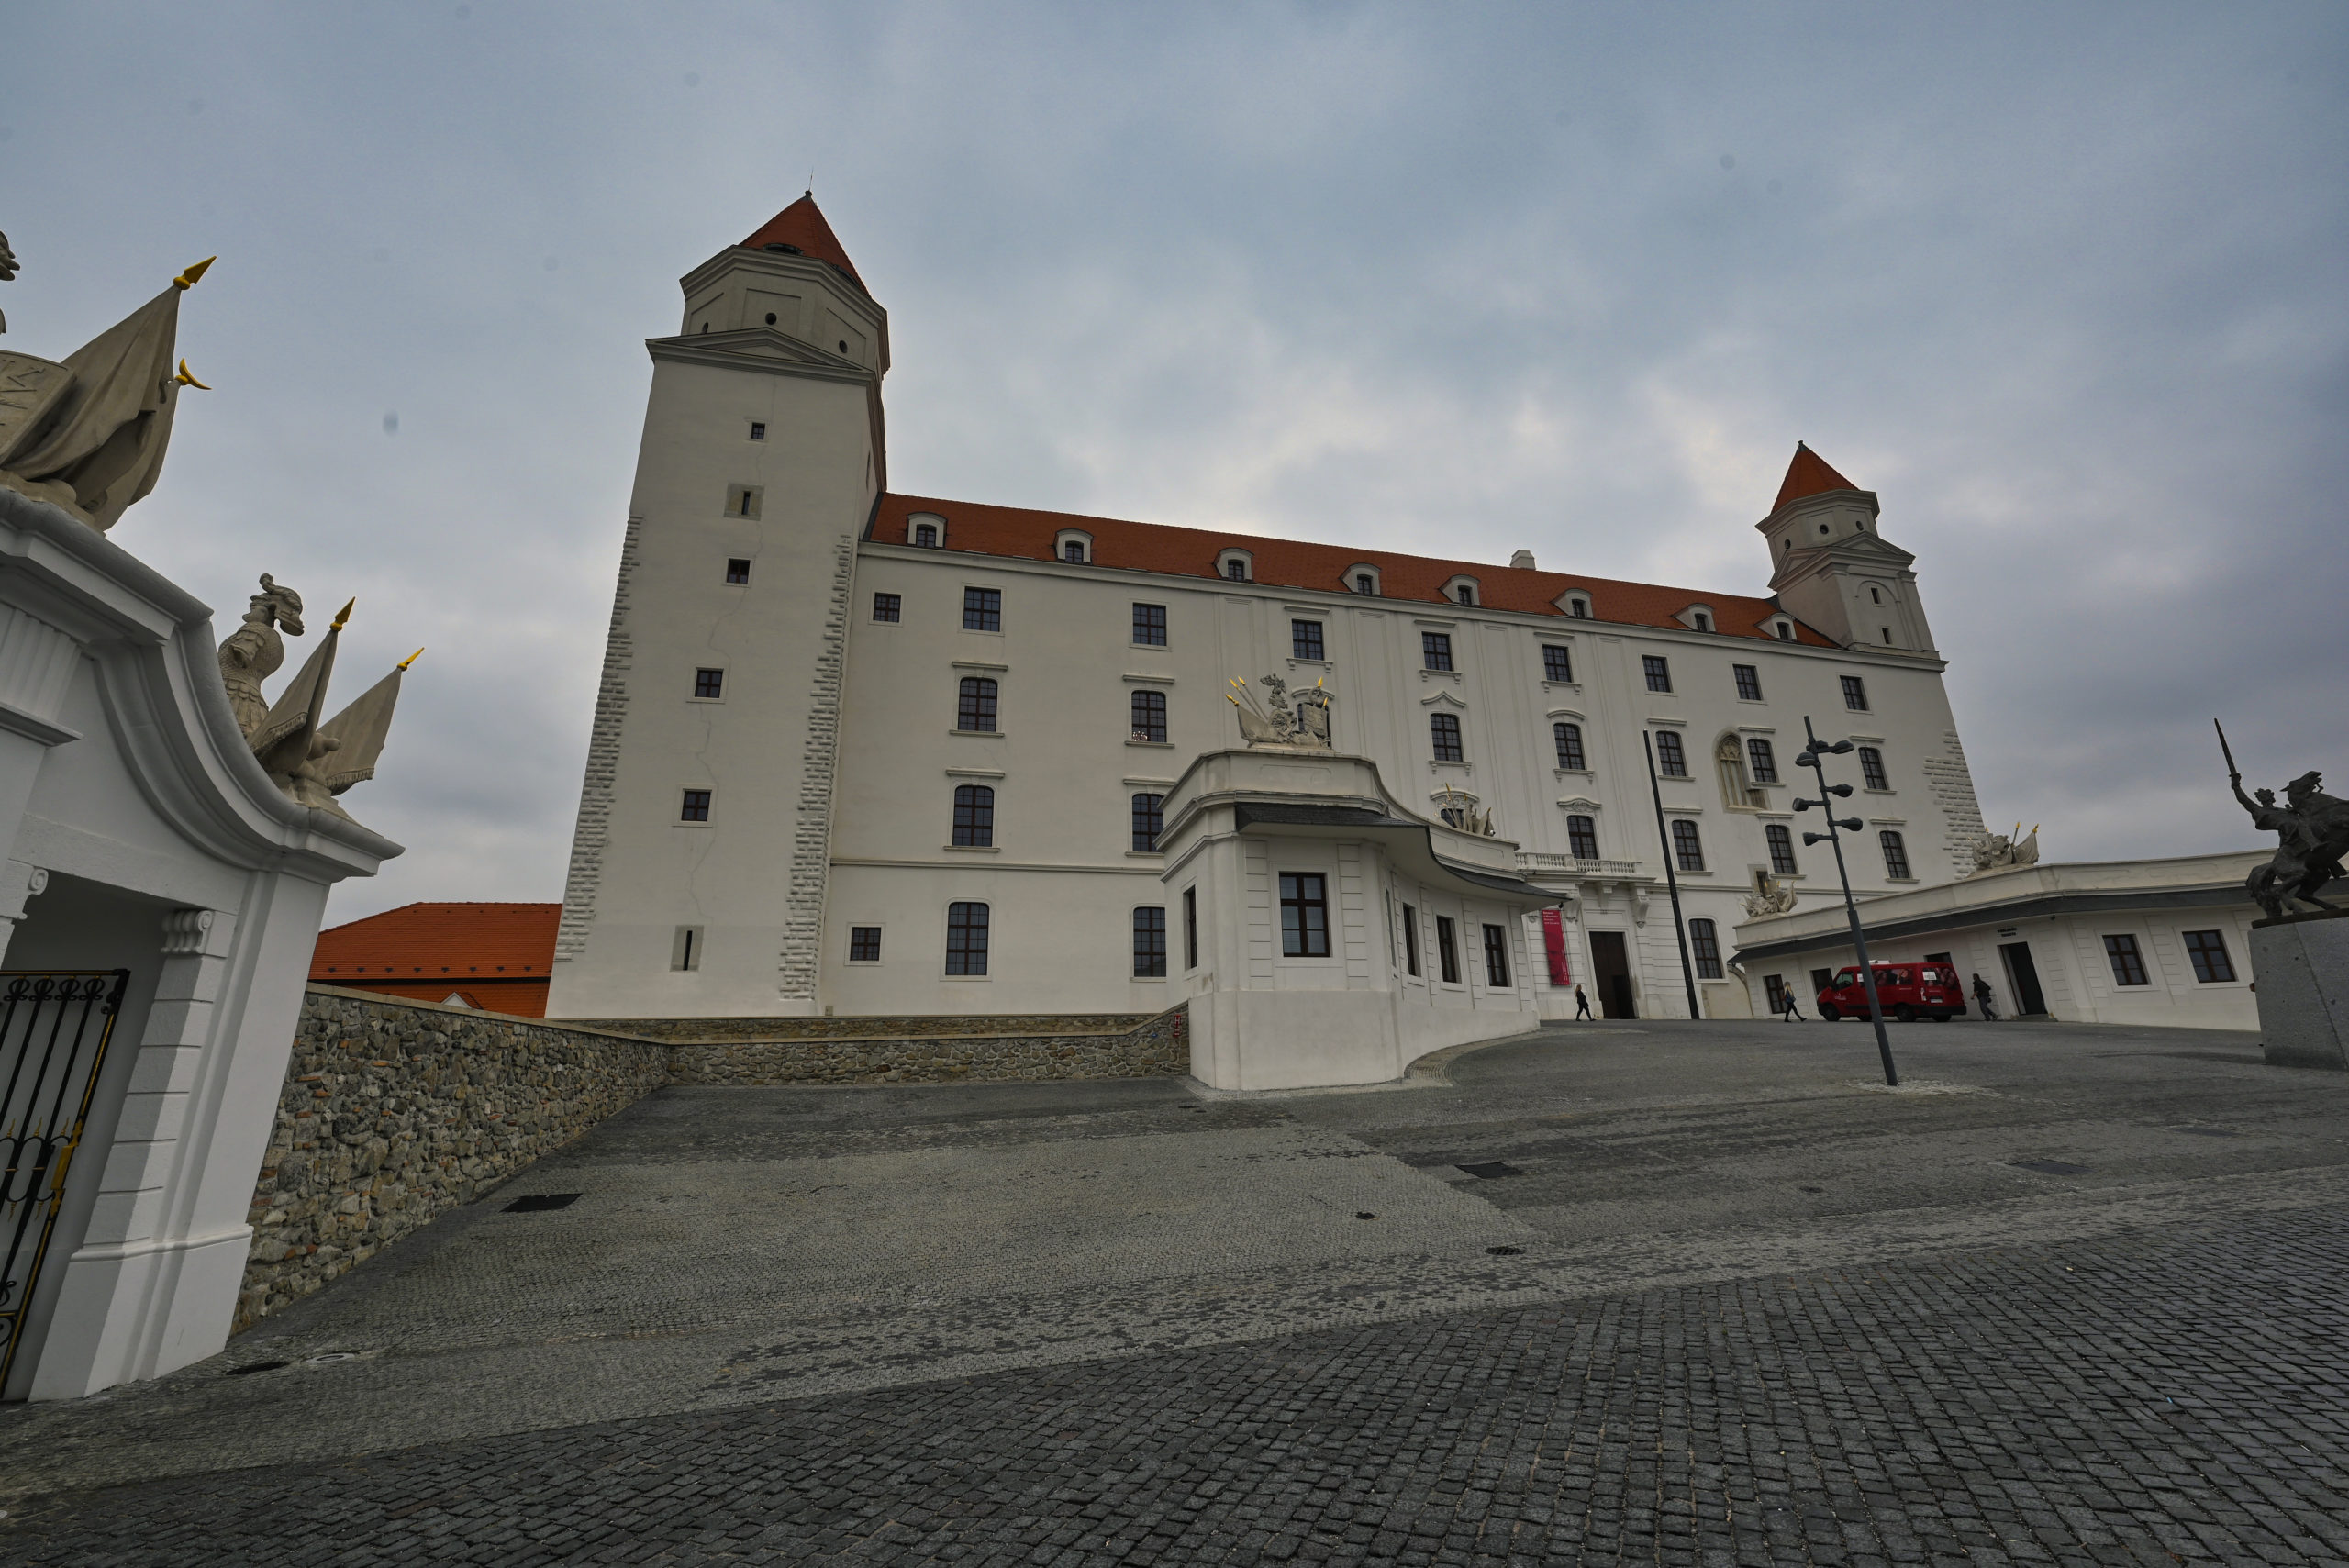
<point x="864" y="944"/>
<point x="741" y="500"/>
<point x="1774" y="990"/>
<point x="966" y="939"/>
<point x="709" y="682"/>
<point x="982" y="609"/>
<point x="1464" y="593"/>
<point x="1305" y="639"/>
<point x="2207" y="951"/>
<point x="1304" y="916"/>
<point x="1190" y="927"/>
<point x="1235" y="568"/>
<point x="1444" y="732"/>
<point x="926" y="535"/>
<point x="1705" y="949"/>
<point x="1149" y="715"/>
<point x="1704" y="621"/>
<point x="1150" y="944"/>
<point x="1761" y="760"/>
<point x="1670" y="759"/>
<point x="757" y="428"/>
<point x="1887" y="637"/>
<point x="1569" y="741"/>
<point x="1074" y="551"/>
<point x="2128" y="964"/>
<point x="1365" y="583"/>
<point x="1749" y="681"/>
<point x="1659" y="672"/>
<point x="974" y="816"/>
<point x="1781" y="839"/>
<point x="1686" y="847"/>
<point x="697" y="806"/>
<point x="1149" y="626"/>
<point x="975" y="709"/>
<point x="737" y="569"/>
<point x="1855" y="694"/>
<point x="1821" y="979"/>
<point x="1872" y="772"/>
<point x="1410" y="939"/>
<point x="1150" y="821"/>
<point x="1582" y="836"/>
<point x="1447" y="951"/>
<point x="1557" y="663"/>
<point x="1875" y="597"/>
<point x="1896" y="853"/>
<point x="1496" y="957"/>
<point x="887" y="607"/>
<point x="1435" y="650"/>
<point x="1785" y="633"/>
<point x="1579" y="609"/>
<point x="684" y="950"/>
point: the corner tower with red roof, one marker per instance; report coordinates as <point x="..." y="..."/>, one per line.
<point x="1832" y="570"/>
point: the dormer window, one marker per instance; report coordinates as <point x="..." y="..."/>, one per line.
<point x="926" y="529"/>
<point x="1365" y="583"/>
<point x="1361" y="578"/>
<point x="1704" y="621"/>
<point x="1461" y="590"/>
<point x="1785" y="633"/>
<point x="1074" y="546"/>
<point x="1234" y="567"/>
<point x="926" y="535"/>
<point x="1072" y="551"/>
<point x="1464" y="593"/>
<point x="1579" y="609"/>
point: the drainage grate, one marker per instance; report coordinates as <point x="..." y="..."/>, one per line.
<point x="2049" y="1167"/>
<point x="1489" y="1170"/>
<point x="2204" y="1131"/>
<point x="538" y="1202"/>
<point x="1505" y="1251"/>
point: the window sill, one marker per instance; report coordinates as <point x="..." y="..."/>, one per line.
<point x="1155" y="745"/>
<point x="1576" y="774"/>
<point x="1145" y="854"/>
<point x="978" y="734"/>
<point x="1161" y="647"/>
<point x="1879" y="791"/>
<point x="703" y="825"/>
<point x="1428" y="674"/>
<point x="861" y="962"/>
<point x="965" y="979"/>
<point x="708" y="702"/>
<point x="981" y="631"/>
<point x="1435" y="766"/>
<point x="1150" y="980"/>
<point x="1571" y="687"/>
<point x="972" y="849"/>
<point x="1910" y="881"/>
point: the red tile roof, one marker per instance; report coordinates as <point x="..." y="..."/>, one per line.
<point x="502" y="953"/>
<point x="1809" y="475"/>
<point x="1019" y="532"/>
<point x="801" y="225"/>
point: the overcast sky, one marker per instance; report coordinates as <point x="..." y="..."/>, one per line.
<point x="2067" y="286"/>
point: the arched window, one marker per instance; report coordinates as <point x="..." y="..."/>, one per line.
<point x="1686" y="847"/>
<point x="974" y="816"/>
<point x="1781" y="839"/>
<point x="1705" y="949"/>
<point x="1761" y="760"/>
<point x="1443" y="732"/>
<point x="1149" y="822"/>
<point x="1896" y="853"/>
<point x="1149" y="715"/>
<point x="1569" y="739"/>
<point x="975" y="707"/>
<point x="966" y="939"/>
<point x="1670" y="759"/>
<point x="1581" y="837"/>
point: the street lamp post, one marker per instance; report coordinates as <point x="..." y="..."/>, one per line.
<point x="1671" y="881"/>
<point x="1813" y="749"/>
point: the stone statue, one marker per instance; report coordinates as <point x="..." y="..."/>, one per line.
<point x="254" y="650"/>
<point x="1460" y="812"/>
<point x="7" y="271"/>
<point x="1300" y="720"/>
<point x="2313" y="833"/>
<point x="314" y="761"/>
<point x="1773" y="897"/>
<point x="2001" y="851"/>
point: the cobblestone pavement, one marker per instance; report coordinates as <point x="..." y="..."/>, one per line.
<point x="2142" y="1360"/>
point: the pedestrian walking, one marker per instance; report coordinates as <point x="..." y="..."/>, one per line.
<point x="1792" y="1014"/>
<point x="1582" y="1006"/>
<point x="1982" y="999"/>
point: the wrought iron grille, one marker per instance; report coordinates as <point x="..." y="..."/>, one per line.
<point x="54" y="1028"/>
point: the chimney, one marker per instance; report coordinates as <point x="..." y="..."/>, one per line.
<point x="1521" y="562"/>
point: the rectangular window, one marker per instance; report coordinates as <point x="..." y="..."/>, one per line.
<point x="1774" y="990"/>
<point x="1896" y="853"/>
<point x="1435" y="650"/>
<point x="1149" y="626"/>
<point x="1464" y="594"/>
<point x="2208" y="952"/>
<point x="974" y="816"/>
<point x="1749" y="681"/>
<point x="1190" y="927"/>
<point x="758" y="430"/>
<point x="1872" y="772"/>
<point x="1821" y="979"/>
<point x="1581" y="837"/>
<point x="1782" y="849"/>
<point x="742" y="500"/>
<point x="1569" y="741"/>
<point x="887" y="607"/>
<point x="1073" y="551"/>
<point x="1149" y="715"/>
<point x="966" y="939"/>
<point x="975" y="707"/>
<point x="2128" y="964"/>
<point x="1304" y="916"/>
<point x="864" y="944"/>
<point x="1410" y="939"/>
<point x="1149" y="821"/>
<point x="1305" y="639"/>
<point x="1444" y="732"/>
<point x="697" y="806"/>
<point x="684" y="949"/>
<point x="1785" y="633"/>
<point x="1686" y="847"/>
<point x="1447" y="951"/>
<point x="1670" y="759"/>
<point x="737" y="569"/>
<point x="1658" y="670"/>
<point x="1496" y="957"/>
<point x="1235" y="570"/>
<point x="1855" y="694"/>
<point x="1557" y="663"/>
<point x="1150" y="944"/>
<point x="1761" y="760"/>
<point x="1705" y="949"/>
<point x="708" y="683"/>
<point x="1365" y="583"/>
<point x="982" y="609"/>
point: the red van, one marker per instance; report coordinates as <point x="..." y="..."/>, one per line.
<point x="1909" y="990"/>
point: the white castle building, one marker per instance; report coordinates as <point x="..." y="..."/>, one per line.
<point x="864" y="752"/>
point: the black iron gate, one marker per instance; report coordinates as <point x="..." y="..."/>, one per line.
<point x="54" y="1028"/>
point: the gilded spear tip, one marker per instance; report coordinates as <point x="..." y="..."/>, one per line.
<point x="342" y="618"/>
<point x="188" y="280"/>
<point x="188" y="378"/>
<point x="411" y="658"/>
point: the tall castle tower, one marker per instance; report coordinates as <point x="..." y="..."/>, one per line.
<point x="761" y="460"/>
<point x="1831" y="568"/>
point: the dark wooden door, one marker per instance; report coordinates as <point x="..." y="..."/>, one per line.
<point x="1612" y="972"/>
<point x="2025" y="976"/>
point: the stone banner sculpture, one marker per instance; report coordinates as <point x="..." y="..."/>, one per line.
<point x="312" y="761"/>
<point x="1300" y="720"/>
<point x="1774" y="898"/>
<point x="2002" y="852"/>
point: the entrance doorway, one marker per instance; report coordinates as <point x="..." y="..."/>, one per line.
<point x="1611" y="971"/>
<point x="2023" y="976"/>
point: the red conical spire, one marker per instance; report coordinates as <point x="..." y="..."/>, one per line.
<point x="802" y="227"/>
<point x="1809" y="475"/>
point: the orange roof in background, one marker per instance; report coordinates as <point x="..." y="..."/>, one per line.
<point x="1809" y="475"/>
<point x="802" y="225"/>
<point x="440" y="943"/>
<point x="1024" y="534"/>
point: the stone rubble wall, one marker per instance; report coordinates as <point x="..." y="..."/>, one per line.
<point x="1157" y="1047"/>
<point x="710" y="1031"/>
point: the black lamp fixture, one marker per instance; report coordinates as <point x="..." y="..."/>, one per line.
<point x="1813" y="749"/>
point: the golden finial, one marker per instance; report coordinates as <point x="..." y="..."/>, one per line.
<point x="343" y="619"/>
<point x="188" y="280"/>
<point x="185" y="379"/>
<point x="411" y="658"/>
